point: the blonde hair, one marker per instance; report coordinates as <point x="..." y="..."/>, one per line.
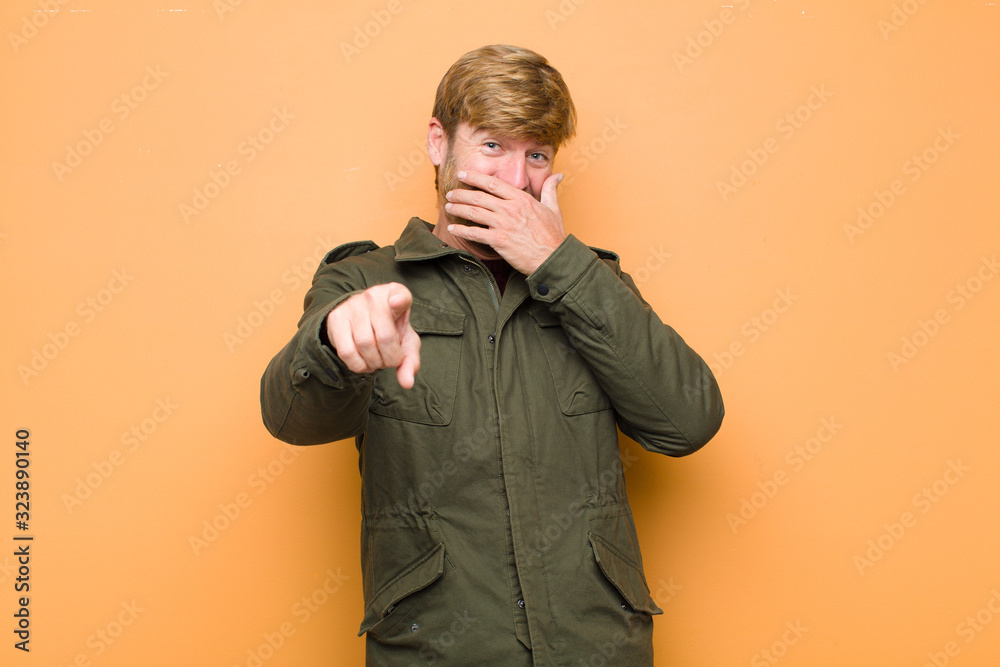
<point x="509" y="90"/>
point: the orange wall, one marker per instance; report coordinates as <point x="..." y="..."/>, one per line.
<point x="171" y="174"/>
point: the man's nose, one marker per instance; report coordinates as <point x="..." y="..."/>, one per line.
<point x="514" y="170"/>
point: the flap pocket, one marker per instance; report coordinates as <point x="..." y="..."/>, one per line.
<point x="432" y="398"/>
<point x="427" y="318"/>
<point x="577" y="389"/>
<point x="624" y="574"/>
<point x="418" y="575"/>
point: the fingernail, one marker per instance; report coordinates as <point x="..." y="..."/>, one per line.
<point x="461" y="174"/>
<point x="447" y="206"/>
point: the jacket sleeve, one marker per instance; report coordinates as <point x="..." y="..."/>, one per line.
<point x="307" y="395"/>
<point x="664" y="394"/>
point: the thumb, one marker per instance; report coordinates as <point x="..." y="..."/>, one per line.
<point x="399" y="301"/>
<point x="549" y="195"/>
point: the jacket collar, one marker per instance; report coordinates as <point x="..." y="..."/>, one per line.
<point x="418" y="242"/>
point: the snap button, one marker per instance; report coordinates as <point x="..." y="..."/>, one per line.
<point x="520" y="604"/>
<point x="491" y="338"/>
<point x="414" y="627"/>
<point x="543" y="289"/>
<point x="467" y="268"/>
<point x="389" y="610"/>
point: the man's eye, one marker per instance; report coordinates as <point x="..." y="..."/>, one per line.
<point x="491" y="144"/>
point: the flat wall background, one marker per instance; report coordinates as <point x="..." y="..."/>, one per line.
<point x="807" y="191"/>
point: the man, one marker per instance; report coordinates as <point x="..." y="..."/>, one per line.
<point x="483" y="364"/>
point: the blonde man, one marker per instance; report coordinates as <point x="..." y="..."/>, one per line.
<point x="483" y="365"/>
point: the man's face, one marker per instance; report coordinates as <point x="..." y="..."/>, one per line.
<point x="523" y="163"/>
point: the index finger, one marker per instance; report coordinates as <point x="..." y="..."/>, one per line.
<point x="491" y="184"/>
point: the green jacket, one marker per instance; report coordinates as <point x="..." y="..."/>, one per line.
<point x="494" y="512"/>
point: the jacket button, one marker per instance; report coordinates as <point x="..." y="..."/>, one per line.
<point x="624" y="606"/>
<point x="414" y="627"/>
<point x="467" y="268"/>
<point x="491" y="338"/>
<point x="543" y="289"/>
<point x="389" y="610"/>
<point x="520" y="604"/>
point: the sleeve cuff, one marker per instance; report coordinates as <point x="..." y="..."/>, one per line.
<point x="560" y="270"/>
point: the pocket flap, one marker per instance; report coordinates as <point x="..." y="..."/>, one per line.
<point x="419" y="575"/>
<point x="544" y="317"/>
<point x="426" y="318"/>
<point x="624" y="575"/>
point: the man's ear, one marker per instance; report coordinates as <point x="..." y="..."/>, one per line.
<point x="437" y="142"/>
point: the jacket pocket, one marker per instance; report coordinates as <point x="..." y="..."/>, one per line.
<point x="577" y="389"/>
<point x="395" y="600"/>
<point x="612" y="539"/>
<point x="432" y="398"/>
